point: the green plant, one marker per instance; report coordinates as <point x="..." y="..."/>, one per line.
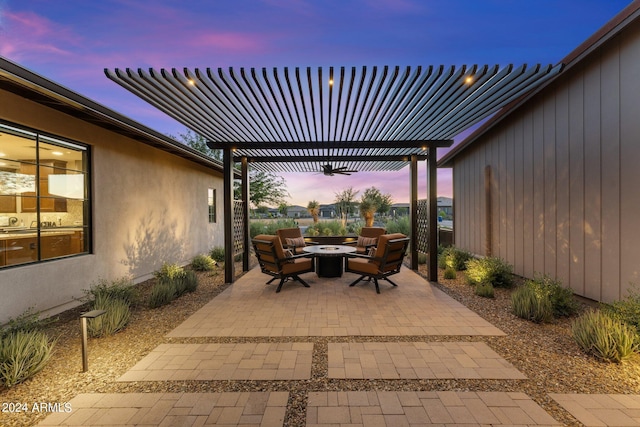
<point x="626" y="309"/>
<point x="450" y="273"/>
<point x="27" y="321"/>
<point x="454" y="258"/>
<point x="120" y="288"/>
<point x="168" y="271"/>
<point x="422" y="258"/>
<point x="203" y="262"/>
<point x="400" y="224"/>
<point x="22" y="355"/>
<point x="269" y="227"/>
<point x="116" y="318"/>
<point x="604" y="336"/>
<point x="490" y="270"/>
<point x="532" y="303"/>
<point x="162" y="293"/>
<point x="484" y="290"/>
<point x="217" y="254"/>
<point x="190" y="279"/>
<point x="561" y="299"/>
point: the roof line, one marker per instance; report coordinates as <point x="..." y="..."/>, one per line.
<point x="39" y="86"/>
<point x="610" y="29"/>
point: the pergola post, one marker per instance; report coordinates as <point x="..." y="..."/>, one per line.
<point x="227" y="191"/>
<point x="432" y="214"/>
<point x="245" y="197"/>
<point x="413" y="211"/>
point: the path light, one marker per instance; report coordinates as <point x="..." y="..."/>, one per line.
<point x="83" y="325"/>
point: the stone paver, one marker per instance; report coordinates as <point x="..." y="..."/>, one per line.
<point x="423" y="408"/>
<point x="330" y="307"/>
<point x="418" y="360"/>
<point x="172" y="409"/>
<point x="244" y="361"/>
<point x="601" y="409"/>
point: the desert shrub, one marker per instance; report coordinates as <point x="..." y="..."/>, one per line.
<point x="162" y="293"/>
<point x="269" y="227"/>
<point x="530" y="303"/>
<point x="120" y="288"/>
<point x="490" y="270"/>
<point x="454" y="258"/>
<point x="168" y="271"/>
<point x="203" y="262"/>
<point x="604" y="336"/>
<point x="562" y="301"/>
<point x="400" y="224"/>
<point x="422" y="258"/>
<point x="217" y="254"/>
<point x="627" y="309"/>
<point x="190" y="279"/>
<point x="450" y="273"/>
<point x="28" y="321"/>
<point x="326" y="228"/>
<point x="22" y="355"/>
<point x="116" y="318"/>
<point x="484" y="290"/>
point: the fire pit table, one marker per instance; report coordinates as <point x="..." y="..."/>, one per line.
<point x="329" y="258"/>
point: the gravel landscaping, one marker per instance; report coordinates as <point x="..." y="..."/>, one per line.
<point x="546" y="354"/>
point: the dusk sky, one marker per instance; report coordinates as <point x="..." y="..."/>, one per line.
<point x="72" y="41"/>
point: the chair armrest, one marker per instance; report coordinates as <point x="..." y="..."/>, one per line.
<point x="354" y="255"/>
<point x="352" y="242"/>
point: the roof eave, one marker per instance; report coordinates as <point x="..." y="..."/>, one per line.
<point x="37" y="88"/>
<point x="597" y="39"/>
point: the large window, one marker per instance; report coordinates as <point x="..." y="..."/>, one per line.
<point x="44" y="197"/>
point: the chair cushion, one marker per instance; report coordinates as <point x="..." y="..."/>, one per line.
<point x="363" y="242"/>
<point x="300" y="265"/>
<point x="295" y="241"/>
<point x="382" y="242"/>
<point x="362" y="265"/>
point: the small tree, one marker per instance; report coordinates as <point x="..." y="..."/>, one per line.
<point x="198" y="142"/>
<point x="345" y="203"/>
<point x="372" y="202"/>
<point x="314" y="210"/>
<point x="283" y="209"/>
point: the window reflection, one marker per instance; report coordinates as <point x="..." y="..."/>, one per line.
<point x="44" y="207"/>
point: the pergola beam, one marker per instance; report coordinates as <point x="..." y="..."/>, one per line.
<point x="312" y="159"/>
<point x="347" y="145"/>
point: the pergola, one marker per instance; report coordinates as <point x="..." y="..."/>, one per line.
<point x="365" y="119"/>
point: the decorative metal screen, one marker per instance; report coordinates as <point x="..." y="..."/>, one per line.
<point x="422" y="227"/>
<point x="238" y="227"/>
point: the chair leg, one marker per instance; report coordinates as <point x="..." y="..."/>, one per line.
<point x="269" y="282"/>
<point x="377" y="285"/>
<point x="280" y="284"/>
<point x="389" y="280"/>
<point x="357" y="280"/>
<point x="305" y="284"/>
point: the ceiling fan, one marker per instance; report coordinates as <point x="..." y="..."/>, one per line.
<point x="329" y="170"/>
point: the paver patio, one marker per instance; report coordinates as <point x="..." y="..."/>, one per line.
<point x="424" y="408"/>
<point x="331" y="308"/>
<point x="418" y="360"/>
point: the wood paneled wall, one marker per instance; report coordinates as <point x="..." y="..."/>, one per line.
<point x="565" y="178"/>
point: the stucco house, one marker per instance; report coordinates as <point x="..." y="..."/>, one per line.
<point x="88" y="194"/>
<point x="550" y="183"/>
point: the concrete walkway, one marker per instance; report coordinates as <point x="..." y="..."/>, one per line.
<point x="329" y="308"/>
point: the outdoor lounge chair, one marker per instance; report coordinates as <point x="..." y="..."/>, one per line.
<point x="386" y="261"/>
<point x="292" y="239"/>
<point x="274" y="261"/>
<point x="368" y="239"/>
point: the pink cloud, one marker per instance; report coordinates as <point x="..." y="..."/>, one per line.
<point x="245" y="43"/>
<point x="27" y="35"/>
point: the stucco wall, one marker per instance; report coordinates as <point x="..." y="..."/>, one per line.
<point x="565" y="173"/>
<point x="148" y="207"/>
